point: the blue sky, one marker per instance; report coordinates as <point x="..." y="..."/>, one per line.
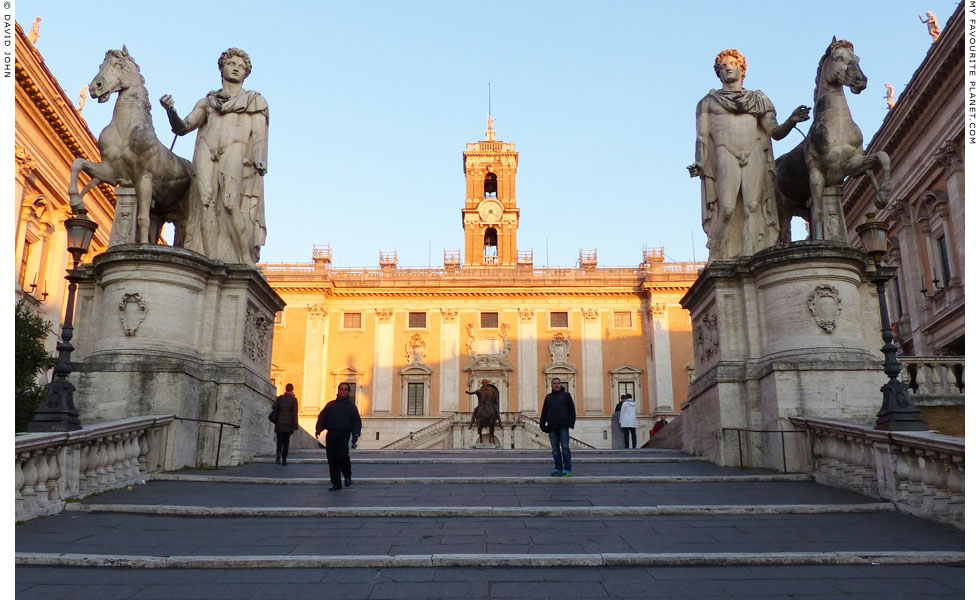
<point x="372" y="104"/>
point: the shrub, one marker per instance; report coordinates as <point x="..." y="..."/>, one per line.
<point x="30" y="358"/>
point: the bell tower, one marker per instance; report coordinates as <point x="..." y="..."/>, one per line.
<point x="490" y="214"/>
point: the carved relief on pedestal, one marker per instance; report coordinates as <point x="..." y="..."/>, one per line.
<point x="559" y="346"/>
<point x="590" y="314"/>
<point x="132" y="311"/>
<point x="526" y="314"/>
<point x="258" y="333"/>
<point x="415" y="349"/>
<point x="706" y="337"/>
<point x="449" y="315"/>
<point x="384" y="314"/>
<point x="825" y="306"/>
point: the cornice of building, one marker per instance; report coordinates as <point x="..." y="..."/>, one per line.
<point x="941" y="67"/>
<point x="64" y="120"/>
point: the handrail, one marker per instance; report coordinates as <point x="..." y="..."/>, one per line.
<point x="221" y="430"/>
<point x="421" y="433"/>
<point x="522" y="418"/>
<point x="782" y="439"/>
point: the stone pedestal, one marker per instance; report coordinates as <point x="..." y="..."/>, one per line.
<point x="162" y="330"/>
<point x="789" y="332"/>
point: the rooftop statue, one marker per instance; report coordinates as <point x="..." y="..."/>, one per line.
<point x="230" y="161"/>
<point x="734" y="159"/>
<point x="831" y="151"/>
<point x="889" y="96"/>
<point x="932" y="24"/>
<point x="133" y="156"/>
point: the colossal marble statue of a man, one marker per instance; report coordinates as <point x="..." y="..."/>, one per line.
<point x="227" y="214"/>
<point x="733" y="157"/>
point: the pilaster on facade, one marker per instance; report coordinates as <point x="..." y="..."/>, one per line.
<point x="314" y="393"/>
<point x="527" y="360"/>
<point x="661" y="372"/>
<point x="449" y="363"/>
<point x="384" y="349"/>
<point x="592" y="372"/>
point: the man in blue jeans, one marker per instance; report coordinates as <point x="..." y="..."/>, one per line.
<point x="557" y="417"/>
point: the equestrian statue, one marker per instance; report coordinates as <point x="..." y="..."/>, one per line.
<point x="487" y="411"/>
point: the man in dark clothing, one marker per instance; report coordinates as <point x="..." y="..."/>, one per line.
<point x="557" y="417"/>
<point x="342" y="422"/>
<point x="286" y="409"/>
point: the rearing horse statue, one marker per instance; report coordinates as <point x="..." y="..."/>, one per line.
<point x="831" y="151"/>
<point x="132" y="155"/>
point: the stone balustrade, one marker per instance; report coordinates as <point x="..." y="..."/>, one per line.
<point x="922" y="473"/>
<point x="51" y="468"/>
<point x="934" y="376"/>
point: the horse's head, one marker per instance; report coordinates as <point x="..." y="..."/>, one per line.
<point x="840" y="66"/>
<point x="118" y="72"/>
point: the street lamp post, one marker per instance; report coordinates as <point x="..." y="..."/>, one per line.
<point x="898" y="412"/>
<point x="57" y="412"/>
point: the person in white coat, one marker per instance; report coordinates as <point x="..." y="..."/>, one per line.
<point x="628" y="422"/>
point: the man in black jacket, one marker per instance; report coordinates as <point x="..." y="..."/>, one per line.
<point x="557" y="417"/>
<point x="342" y="421"/>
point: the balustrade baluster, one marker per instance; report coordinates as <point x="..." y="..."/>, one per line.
<point x="144" y="450"/>
<point x="91" y="464"/>
<point x="100" y="470"/>
<point x="30" y="478"/>
<point x="54" y="475"/>
<point x="41" y="487"/>
<point x="18" y="480"/>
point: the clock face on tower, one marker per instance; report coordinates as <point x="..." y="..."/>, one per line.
<point x="491" y="210"/>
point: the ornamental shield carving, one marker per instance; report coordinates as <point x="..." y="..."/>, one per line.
<point x="825" y="306"/>
<point x="132" y="311"/>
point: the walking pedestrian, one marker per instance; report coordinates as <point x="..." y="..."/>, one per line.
<point x="557" y="417"/>
<point x="286" y="411"/>
<point x="627" y="421"/>
<point x="343" y="424"/>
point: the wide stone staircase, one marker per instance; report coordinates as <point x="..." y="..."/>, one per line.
<point x="641" y="523"/>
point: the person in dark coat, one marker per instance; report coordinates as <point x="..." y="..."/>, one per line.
<point x="287" y="421"/>
<point x="343" y="425"/>
<point x="557" y="417"/>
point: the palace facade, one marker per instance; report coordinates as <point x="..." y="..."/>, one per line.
<point x="49" y="133"/>
<point x="924" y="135"/>
<point x="412" y="341"/>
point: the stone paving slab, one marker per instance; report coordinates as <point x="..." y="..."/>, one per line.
<point x="124" y="534"/>
<point x="866" y="582"/>
<point x="572" y="493"/>
<point x="486" y="468"/>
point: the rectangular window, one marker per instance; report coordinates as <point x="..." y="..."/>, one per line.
<point x="416" y="320"/>
<point x="944" y="257"/>
<point x="352" y="320"/>
<point x="559" y="319"/>
<point x="488" y="320"/>
<point x="278" y="320"/>
<point x="416" y="396"/>
<point x="626" y="387"/>
<point x="24" y="261"/>
<point x="353" y="391"/>
<point x="622" y="319"/>
<point x="898" y="298"/>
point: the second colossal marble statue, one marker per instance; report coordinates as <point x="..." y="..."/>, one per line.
<point x="734" y="159"/>
<point x="230" y="161"/>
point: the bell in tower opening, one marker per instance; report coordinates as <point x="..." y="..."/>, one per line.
<point x="490" y="186"/>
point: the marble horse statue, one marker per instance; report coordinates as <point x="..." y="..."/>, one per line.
<point x="831" y="151"/>
<point x="133" y="156"/>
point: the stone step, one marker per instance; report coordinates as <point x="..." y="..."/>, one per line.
<point x="108" y="533"/>
<point x="612" y="559"/>
<point x="741" y="493"/>
<point x="479" y="511"/>
<point x="456" y="460"/>
<point x="592" y="479"/>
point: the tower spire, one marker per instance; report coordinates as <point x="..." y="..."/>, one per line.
<point x="490" y="134"/>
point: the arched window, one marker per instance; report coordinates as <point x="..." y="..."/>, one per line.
<point x="490" y="186"/>
<point x="490" y="242"/>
